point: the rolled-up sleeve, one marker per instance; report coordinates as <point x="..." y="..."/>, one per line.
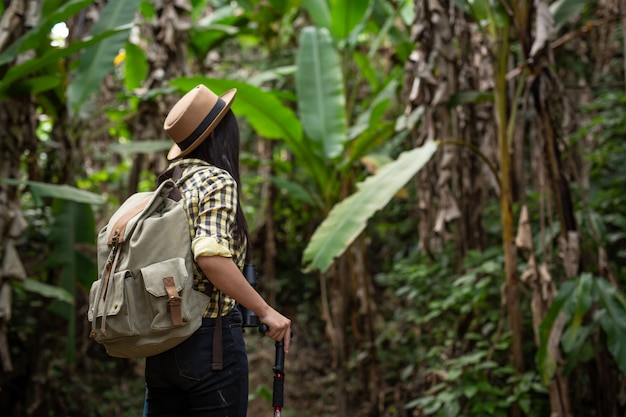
<point x="215" y="223"/>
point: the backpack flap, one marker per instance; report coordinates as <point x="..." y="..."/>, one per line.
<point x="153" y="276"/>
<point x="165" y="281"/>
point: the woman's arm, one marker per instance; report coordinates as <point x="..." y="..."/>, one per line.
<point x="226" y="277"/>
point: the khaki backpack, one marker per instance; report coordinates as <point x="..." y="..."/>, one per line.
<point x="143" y="302"/>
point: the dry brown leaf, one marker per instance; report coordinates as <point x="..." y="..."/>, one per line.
<point x="548" y="289"/>
<point x="554" y="340"/>
<point x="529" y="276"/>
<point x="12" y="267"/>
<point x="524" y="239"/>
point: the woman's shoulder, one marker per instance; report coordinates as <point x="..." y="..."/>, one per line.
<point x="199" y="172"/>
<point x="198" y="167"/>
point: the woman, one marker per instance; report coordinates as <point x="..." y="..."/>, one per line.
<point x="187" y="380"/>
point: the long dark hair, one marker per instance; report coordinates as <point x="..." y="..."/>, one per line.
<point x="221" y="149"/>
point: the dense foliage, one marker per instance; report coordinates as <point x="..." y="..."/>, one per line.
<point x="435" y="192"/>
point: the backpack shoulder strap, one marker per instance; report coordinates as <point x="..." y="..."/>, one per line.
<point x="174" y="174"/>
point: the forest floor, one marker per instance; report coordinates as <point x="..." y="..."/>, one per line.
<point x="309" y="385"/>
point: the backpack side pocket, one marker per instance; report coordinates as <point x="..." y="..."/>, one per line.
<point x="157" y="295"/>
<point x="113" y="307"/>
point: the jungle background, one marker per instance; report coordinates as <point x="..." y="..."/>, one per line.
<point x="435" y="188"/>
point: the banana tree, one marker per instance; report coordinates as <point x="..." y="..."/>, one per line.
<point x="340" y="127"/>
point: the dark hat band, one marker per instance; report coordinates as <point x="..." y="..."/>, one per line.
<point x="203" y="126"/>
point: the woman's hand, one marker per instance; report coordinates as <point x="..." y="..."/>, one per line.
<point x="278" y="326"/>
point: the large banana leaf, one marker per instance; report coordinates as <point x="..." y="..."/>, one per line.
<point x="319" y="11"/>
<point x="320" y="89"/>
<point x="135" y="66"/>
<point x="47" y="290"/>
<point x="64" y="191"/>
<point x="35" y="36"/>
<point x="51" y="58"/>
<point x="141" y="146"/>
<point x="564" y="10"/>
<point x="572" y="304"/>
<point x="97" y="60"/>
<point x="545" y="357"/>
<point x="346" y="15"/>
<point x="348" y="218"/>
<point x="613" y="320"/>
<point x="212" y="30"/>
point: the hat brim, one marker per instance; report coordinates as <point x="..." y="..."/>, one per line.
<point x="175" y="152"/>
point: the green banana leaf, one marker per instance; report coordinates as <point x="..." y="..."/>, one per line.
<point x="319" y="11"/>
<point x="348" y="218"/>
<point x="564" y="10"/>
<point x="209" y="32"/>
<point x="347" y="15"/>
<point x="36" y="36"/>
<point x="272" y="74"/>
<point x="579" y="303"/>
<point x="142" y="146"/>
<point x="613" y="320"/>
<point x="573" y="301"/>
<point x="320" y="90"/>
<point x="97" y="61"/>
<point x="65" y="192"/>
<point x="546" y="361"/>
<point x="135" y="66"/>
<point x="50" y="59"/>
<point x="47" y="290"/>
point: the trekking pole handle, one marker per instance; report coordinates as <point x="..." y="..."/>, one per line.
<point x="279" y="363"/>
<point x="279" y="372"/>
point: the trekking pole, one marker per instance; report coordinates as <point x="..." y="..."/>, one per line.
<point x="279" y="374"/>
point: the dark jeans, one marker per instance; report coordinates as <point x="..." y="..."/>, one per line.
<point x="180" y="382"/>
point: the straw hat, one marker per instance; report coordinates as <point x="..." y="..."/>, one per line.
<point x="194" y="117"/>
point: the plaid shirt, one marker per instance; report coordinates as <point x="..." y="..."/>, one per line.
<point x="210" y="198"/>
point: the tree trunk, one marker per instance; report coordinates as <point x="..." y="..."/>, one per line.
<point x="18" y="124"/>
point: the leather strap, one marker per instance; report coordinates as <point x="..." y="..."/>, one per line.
<point x="174" y="174"/>
<point x="173" y="301"/>
<point x="119" y="228"/>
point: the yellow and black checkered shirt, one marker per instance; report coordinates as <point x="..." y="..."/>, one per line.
<point x="210" y="198"/>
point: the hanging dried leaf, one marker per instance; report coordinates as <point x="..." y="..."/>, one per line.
<point x="537" y="306"/>
<point x="548" y="288"/>
<point x="524" y="238"/>
<point x="529" y="276"/>
<point x="18" y="224"/>
<point x="12" y="267"/>
<point x="449" y="210"/>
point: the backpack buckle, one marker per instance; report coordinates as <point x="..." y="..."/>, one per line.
<point x="173" y="301"/>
